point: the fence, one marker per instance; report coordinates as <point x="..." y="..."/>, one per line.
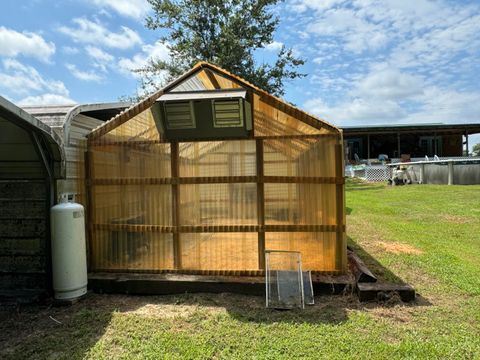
<point x="461" y="171"/>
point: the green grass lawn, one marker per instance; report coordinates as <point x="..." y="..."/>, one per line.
<point x="428" y="236"/>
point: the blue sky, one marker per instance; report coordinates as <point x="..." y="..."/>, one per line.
<point x="368" y="61"/>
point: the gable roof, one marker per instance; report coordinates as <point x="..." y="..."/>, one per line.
<point x="143" y="105"/>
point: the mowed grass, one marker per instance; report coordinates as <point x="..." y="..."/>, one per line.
<point x="428" y="236"/>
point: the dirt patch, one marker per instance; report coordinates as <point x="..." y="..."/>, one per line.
<point x="455" y="219"/>
<point x="399" y="248"/>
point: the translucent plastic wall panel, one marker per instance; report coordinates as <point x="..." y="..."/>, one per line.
<point x="305" y="204"/>
<point x="318" y="249"/>
<point x="218" y="204"/>
<point x="124" y="250"/>
<point x="141" y="127"/>
<point x="128" y="161"/>
<point x="319" y="159"/>
<point x="217" y="158"/>
<point x="133" y="204"/>
<point x="219" y="251"/>
<point x="281" y="204"/>
<point x="311" y="157"/>
<point x="278" y="159"/>
<point x="271" y="121"/>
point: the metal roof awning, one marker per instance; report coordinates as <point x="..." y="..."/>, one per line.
<point x="199" y="95"/>
<point x="471" y="128"/>
<point x="26" y="141"/>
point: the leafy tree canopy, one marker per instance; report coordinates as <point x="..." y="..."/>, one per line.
<point x="476" y="150"/>
<point x="225" y="33"/>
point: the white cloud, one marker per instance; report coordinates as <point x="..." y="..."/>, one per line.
<point x="382" y="61"/>
<point x="156" y="51"/>
<point x="70" y="50"/>
<point x="390" y="84"/>
<point x="136" y="9"/>
<point x="21" y="79"/>
<point x="357" y="33"/>
<point x="356" y="110"/>
<point x="83" y="75"/>
<point x="90" y="32"/>
<point x="443" y="105"/>
<point x="13" y="43"/>
<point x="274" y="46"/>
<point x="24" y="81"/>
<point x="101" y="59"/>
<point x="46" y="99"/>
<point x="98" y="54"/>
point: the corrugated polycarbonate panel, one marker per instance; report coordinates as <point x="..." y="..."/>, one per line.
<point x="218" y="158"/>
<point x="151" y="203"/>
<point x="271" y="121"/>
<point x="127" y="250"/>
<point x="209" y="211"/>
<point x="128" y="160"/>
<point x="305" y="204"/>
<point x="218" y="204"/>
<point x="141" y="127"/>
<point x="311" y="157"/>
<point x="318" y="249"/>
<point x="219" y="251"/>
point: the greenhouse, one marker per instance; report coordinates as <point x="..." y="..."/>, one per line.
<point x="209" y="172"/>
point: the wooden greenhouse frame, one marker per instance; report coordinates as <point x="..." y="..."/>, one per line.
<point x="213" y="206"/>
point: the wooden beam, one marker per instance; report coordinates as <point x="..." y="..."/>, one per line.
<point x="212" y="79"/>
<point x="341" y="246"/>
<point x="216" y="228"/>
<point x="260" y="204"/>
<point x="359" y="270"/>
<point x="221" y="180"/>
<point x="175" y="170"/>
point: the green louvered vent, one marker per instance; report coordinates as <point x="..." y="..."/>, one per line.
<point x="180" y="115"/>
<point x="227" y="113"/>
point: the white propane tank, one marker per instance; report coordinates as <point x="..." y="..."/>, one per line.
<point x="69" y="257"/>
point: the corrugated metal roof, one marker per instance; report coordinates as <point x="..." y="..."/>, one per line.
<point x="54" y="116"/>
<point x="191" y="84"/>
<point x="10" y="113"/>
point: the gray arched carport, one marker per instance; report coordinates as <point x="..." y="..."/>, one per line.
<point x="31" y="159"/>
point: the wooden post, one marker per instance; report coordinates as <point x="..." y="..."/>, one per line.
<point x="422" y="174"/>
<point x="175" y="169"/>
<point x="341" y="245"/>
<point x="90" y="207"/>
<point x="260" y="204"/>
<point x="368" y="148"/>
<point x="466" y="141"/>
<point x="398" y="146"/>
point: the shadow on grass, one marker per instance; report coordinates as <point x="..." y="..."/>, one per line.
<point x="41" y="332"/>
<point x="38" y="332"/>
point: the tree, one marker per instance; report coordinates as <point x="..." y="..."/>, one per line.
<point x="225" y="33"/>
<point x="476" y="150"/>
